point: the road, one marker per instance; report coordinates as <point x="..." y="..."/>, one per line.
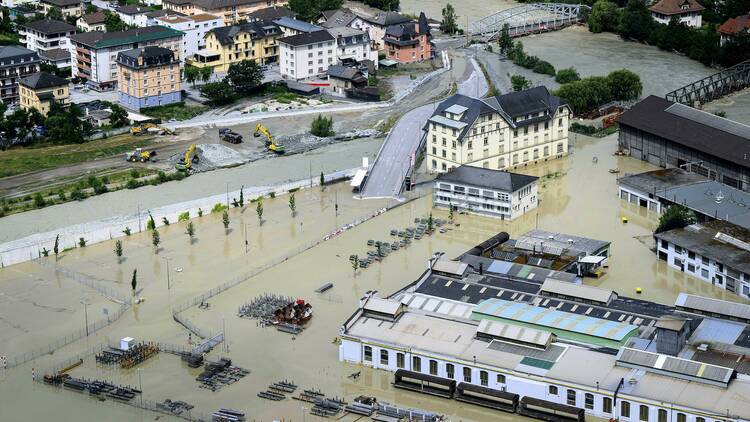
<point x="386" y="178"/>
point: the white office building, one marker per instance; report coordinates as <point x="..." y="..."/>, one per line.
<point x="306" y="55"/>
<point x="194" y="27"/>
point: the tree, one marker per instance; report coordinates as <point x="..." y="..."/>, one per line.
<point x="636" y="22"/>
<point x="244" y="76"/>
<point x="519" y="83"/>
<point x="568" y="75"/>
<point x="190" y="230"/>
<point x="449" y="23"/>
<point x="292" y="204"/>
<point x="90" y="8"/>
<point x="56" y="248"/>
<point x="505" y="42"/>
<point x="322" y="126"/>
<point x="113" y="23"/>
<point x="150" y="224"/>
<point x="675" y="217"/>
<point x="118" y="250"/>
<point x="39" y="201"/>
<point x="192" y="74"/>
<point x="55" y="13"/>
<point x="134" y="280"/>
<point x="605" y="16"/>
<point x="206" y="73"/>
<point x="308" y="10"/>
<point x="64" y="126"/>
<point x="242" y="196"/>
<point x="259" y="210"/>
<point x="119" y="117"/>
<point x="355" y="263"/>
<point x="218" y="93"/>
<point x="81" y="242"/>
<point x="155" y="240"/>
<point x="225" y="220"/>
<point x="624" y="85"/>
<point x="430" y="223"/>
<point x="322" y="179"/>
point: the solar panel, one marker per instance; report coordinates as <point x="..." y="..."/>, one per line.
<point x="711" y="120"/>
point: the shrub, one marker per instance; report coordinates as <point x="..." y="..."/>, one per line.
<point x="675" y="217"/>
<point x="322" y="126"/>
<point x="568" y="75"/>
<point x="184" y="216"/>
<point x="218" y="207"/>
<point x="39" y="201"/>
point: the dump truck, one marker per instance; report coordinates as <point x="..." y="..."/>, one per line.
<point x="186" y="163"/>
<point x="270" y="142"/>
<point x="139" y="154"/>
<point x="228" y="135"/>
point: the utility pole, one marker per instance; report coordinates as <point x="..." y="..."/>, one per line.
<point x="86" y="317"/>
<point x="311" y="179"/>
<point x="140" y="384"/>
<point x="227" y="194"/>
<point x="168" y="283"/>
<point x="224" y="333"/>
<point x="139" y="218"/>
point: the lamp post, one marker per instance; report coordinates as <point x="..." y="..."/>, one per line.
<point x="168" y="282"/>
<point x="140" y="384"/>
<point x="85" y="303"/>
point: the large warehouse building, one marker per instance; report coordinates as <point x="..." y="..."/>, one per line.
<point x="668" y="134"/>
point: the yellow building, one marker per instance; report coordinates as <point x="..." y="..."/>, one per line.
<point x="40" y="90"/>
<point x="148" y="77"/>
<point x="225" y="46"/>
<point x="231" y="10"/>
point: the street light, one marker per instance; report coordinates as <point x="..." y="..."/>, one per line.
<point x="140" y="384"/>
<point x="168" y="283"/>
<point x="85" y="303"/>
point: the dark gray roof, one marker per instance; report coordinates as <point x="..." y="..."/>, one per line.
<point x="386" y="18"/>
<point x="11" y="53"/>
<point x="42" y="80"/>
<point x="270" y="13"/>
<point x="62" y="3"/>
<point x="529" y="101"/>
<point x="55" y="54"/>
<point x="297" y="25"/>
<point x="712" y="199"/>
<point x="487" y="178"/>
<point x="132" y="9"/>
<point x="94" y="18"/>
<point x="307" y="38"/>
<point x="345" y="72"/>
<point x="50" y="26"/>
<point x="718" y="137"/>
<point x="475" y="108"/>
<point x="151" y="55"/>
<point x="701" y="240"/>
<point x="341" y="17"/>
<point x="226" y="34"/>
<point x="660" y="180"/>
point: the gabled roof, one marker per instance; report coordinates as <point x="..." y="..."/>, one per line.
<point x="94" y="18"/>
<point x="345" y="72"/>
<point x="307" y="38"/>
<point x="42" y="80"/>
<point x="270" y="13"/>
<point x="487" y="178"/>
<point x="49" y="26"/>
<point x="735" y="25"/>
<point x="55" y="54"/>
<point x="529" y="101"/>
<point x="62" y="3"/>
<point x="225" y="34"/>
<point x="297" y="25"/>
<point x="475" y="108"/>
<point x="386" y="18"/>
<point x="132" y="9"/>
<point x="10" y="51"/>
<point x="676" y="7"/>
<point x="341" y="17"/>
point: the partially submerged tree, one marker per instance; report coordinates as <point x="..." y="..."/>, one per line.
<point x="118" y="250"/>
<point x="449" y="24"/>
<point x="155" y="240"/>
<point x="190" y="230"/>
<point x="430" y="223"/>
<point x="134" y="280"/>
<point x="675" y="217"/>
<point x="292" y="204"/>
<point x="56" y="248"/>
<point x="225" y="220"/>
<point x="259" y="210"/>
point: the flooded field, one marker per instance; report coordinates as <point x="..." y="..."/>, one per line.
<point x="471" y="10"/>
<point x="578" y="196"/>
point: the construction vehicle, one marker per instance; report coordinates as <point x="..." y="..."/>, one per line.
<point x="230" y="136"/>
<point x="271" y="144"/>
<point x="141" y="129"/>
<point x="139" y="155"/>
<point x="186" y="163"/>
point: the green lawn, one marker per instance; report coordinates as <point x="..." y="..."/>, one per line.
<point x="178" y="111"/>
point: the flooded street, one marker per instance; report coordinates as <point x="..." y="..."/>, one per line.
<point x="581" y="199"/>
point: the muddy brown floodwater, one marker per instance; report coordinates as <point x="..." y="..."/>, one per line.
<point x="578" y="196"/>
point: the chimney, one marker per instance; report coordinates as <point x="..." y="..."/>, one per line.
<point x="481" y="268"/>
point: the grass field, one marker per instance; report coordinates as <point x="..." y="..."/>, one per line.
<point x="179" y="111"/>
<point x="24" y="160"/>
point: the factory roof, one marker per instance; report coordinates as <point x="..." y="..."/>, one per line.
<point x="705" y="305"/>
<point x="659" y="180"/>
<point x="579" y="291"/>
<point x="514" y="333"/>
<point x="718" y="240"/>
<point x="559" y="243"/>
<point x="699" y="130"/>
<point x="686" y="369"/>
<point x="382" y="306"/>
<point x="561" y="323"/>
<point x="487" y="178"/>
<point x="456" y="268"/>
<point x="712" y="199"/>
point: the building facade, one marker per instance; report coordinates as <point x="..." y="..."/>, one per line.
<point x="92" y="22"/>
<point x="733" y="27"/>
<point x="353" y="46"/>
<point x="306" y="55"/>
<point x="716" y="252"/>
<point x="492" y="193"/>
<point x="256" y="41"/>
<point x="375" y="26"/>
<point x="687" y="12"/>
<point x="133" y="15"/>
<point x="46" y="35"/>
<point x="232" y="11"/>
<point x="148" y="77"/>
<point x="409" y="42"/>
<point x="669" y="134"/>
<point x="94" y="54"/>
<point x="15" y="63"/>
<point x="503" y="132"/>
<point x="195" y="28"/>
<point x="41" y="90"/>
<point x="67" y="7"/>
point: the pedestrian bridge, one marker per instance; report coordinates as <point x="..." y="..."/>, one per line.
<point x="529" y="18"/>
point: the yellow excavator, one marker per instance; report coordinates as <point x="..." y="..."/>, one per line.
<point x="186" y="163"/>
<point x="271" y="144"/>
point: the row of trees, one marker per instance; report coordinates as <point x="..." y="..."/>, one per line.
<point x="515" y="52"/>
<point x="634" y="22"/>
<point x="308" y="10"/>
<point x="242" y="78"/>
<point x="587" y="94"/>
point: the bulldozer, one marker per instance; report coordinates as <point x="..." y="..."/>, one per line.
<point x="141" y="129"/>
<point x="186" y="163"/>
<point x="139" y="154"/>
<point x="270" y="143"/>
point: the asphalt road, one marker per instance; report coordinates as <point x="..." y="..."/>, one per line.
<point x="386" y="178"/>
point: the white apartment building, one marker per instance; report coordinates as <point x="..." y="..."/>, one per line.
<point x="306" y="55"/>
<point x="716" y="252"/>
<point x="493" y="193"/>
<point x="194" y="27"/>
<point x="687" y="12"/>
<point x="353" y="45"/>
<point x="45" y="35"/>
<point x="503" y="132"/>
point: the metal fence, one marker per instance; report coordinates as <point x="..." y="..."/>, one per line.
<point x="95" y="283"/>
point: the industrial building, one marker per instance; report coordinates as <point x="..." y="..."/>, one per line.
<point x="493" y="193"/>
<point x="716" y="252"/>
<point x="669" y="134"/>
<point x="557" y="345"/>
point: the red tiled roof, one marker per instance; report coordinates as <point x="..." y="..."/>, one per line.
<point x="735" y="25"/>
<point x="674" y="7"/>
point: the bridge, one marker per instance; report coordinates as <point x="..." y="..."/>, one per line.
<point x="713" y="87"/>
<point x="529" y="18"/>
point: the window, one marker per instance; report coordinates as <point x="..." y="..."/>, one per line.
<point x="467" y="374"/>
<point x="484" y="378"/>
<point x="469" y="145"/>
<point x="691" y="254"/>
<point x="589" y="401"/>
<point x="699" y="419"/>
<point x="662" y="415"/>
<point x="681" y="417"/>
<point x="552" y="390"/>
<point x="643" y="413"/>
<point x="500" y="379"/>
<point x="625" y="409"/>
<point x="368" y="354"/>
<point x="450" y="370"/>
<point x="383" y="357"/>
<point x="416" y="364"/>
<point x="559" y="148"/>
<point x="607" y="405"/>
<point x="433" y="367"/>
<point x="400" y="360"/>
<point x="571" y="397"/>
